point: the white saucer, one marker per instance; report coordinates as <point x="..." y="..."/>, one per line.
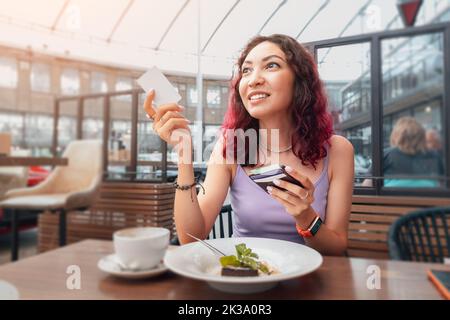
<point x="109" y="265"/>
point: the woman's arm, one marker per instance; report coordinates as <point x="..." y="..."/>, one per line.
<point x="193" y="215"/>
<point x="197" y="215"/>
<point x="331" y="239"/>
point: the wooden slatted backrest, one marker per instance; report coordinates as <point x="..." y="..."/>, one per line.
<point x="371" y="217"/>
<point x="118" y="205"/>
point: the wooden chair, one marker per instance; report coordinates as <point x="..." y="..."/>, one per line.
<point x="372" y="216"/>
<point x="118" y="205"/>
<point x="421" y="235"/>
<point x="72" y="187"/>
<point x="218" y="229"/>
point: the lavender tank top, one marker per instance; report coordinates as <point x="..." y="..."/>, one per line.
<point x="257" y="214"/>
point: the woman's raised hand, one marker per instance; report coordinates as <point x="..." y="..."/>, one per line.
<point x="168" y="122"/>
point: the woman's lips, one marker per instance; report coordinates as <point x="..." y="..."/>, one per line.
<point x="257" y="101"/>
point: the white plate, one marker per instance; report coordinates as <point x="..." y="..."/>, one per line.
<point x="8" y="291"/>
<point x="196" y="261"/>
<point x="109" y="265"/>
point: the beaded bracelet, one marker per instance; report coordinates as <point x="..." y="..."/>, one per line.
<point x="188" y="187"/>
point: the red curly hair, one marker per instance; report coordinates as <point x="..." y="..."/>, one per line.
<point x="313" y="122"/>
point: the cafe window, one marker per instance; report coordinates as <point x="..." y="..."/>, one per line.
<point x="13" y="123"/>
<point x="98" y="82"/>
<point x="192" y="96"/>
<point x="181" y="87"/>
<point x="70" y="82"/>
<point x="92" y="125"/>
<point x="213" y="96"/>
<point x="123" y="84"/>
<point x="345" y="71"/>
<point x="225" y="90"/>
<point x="39" y="133"/>
<point x="406" y="151"/>
<point x="40" y="77"/>
<point x="8" y="71"/>
<point x="413" y="155"/>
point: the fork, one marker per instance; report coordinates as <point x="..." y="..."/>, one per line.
<point x="209" y="246"/>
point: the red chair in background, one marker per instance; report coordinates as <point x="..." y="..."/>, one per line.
<point x="36" y="175"/>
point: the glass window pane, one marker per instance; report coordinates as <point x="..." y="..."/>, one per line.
<point x="67" y="124"/>
<point x="149" y="147"/>
<point x="98" y="82"/>
<point x="213" y="96"/>
<point x="39" y="134"/>
<point x="93" y="118"/>
<point x="70" y="81"/>
<point x="13" y="123"/>
<point x="8" y="72"/>
<point x="345" y="71"/>
<point x="123" y="84"/>
<point x="412" y="69"/>
<point x="40" y="77"/>
<point x="119" y="143"/>
<point x="192" y="96"/>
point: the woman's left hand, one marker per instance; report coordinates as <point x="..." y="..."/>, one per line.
<point x="296" y="200"/>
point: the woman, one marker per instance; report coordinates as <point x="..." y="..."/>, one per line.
<point x="276" y="89"/>
<point x="408" y="156"/>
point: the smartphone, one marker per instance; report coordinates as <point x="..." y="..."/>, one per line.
<point x="264" y="176"/>
<point x="441" y="279"/>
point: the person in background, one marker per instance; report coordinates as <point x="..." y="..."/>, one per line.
<point x="434" y="145"/>
<point x="434" y="141"/>
<point x="409" y="156"/>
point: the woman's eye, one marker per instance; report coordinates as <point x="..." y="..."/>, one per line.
<point x="245" y="70"/>
<point x="272" y="65"/>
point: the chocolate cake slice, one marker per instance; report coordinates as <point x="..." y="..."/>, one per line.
<point x="239" y="272"/>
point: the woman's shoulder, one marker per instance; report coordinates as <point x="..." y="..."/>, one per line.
<point x="392" y="152"/>
<point x="341" y="155"/>
<point x="340" y="145"/>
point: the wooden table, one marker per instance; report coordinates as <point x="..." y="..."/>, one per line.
<point x="32" y="161"/>
<point x="44" y="277"/>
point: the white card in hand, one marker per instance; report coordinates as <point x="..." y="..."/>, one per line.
<point x="164" y="91"/>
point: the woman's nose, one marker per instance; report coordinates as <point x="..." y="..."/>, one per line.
<point x="255" y="79"/>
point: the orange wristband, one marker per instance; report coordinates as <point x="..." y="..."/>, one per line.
<point x="312" y="229"/>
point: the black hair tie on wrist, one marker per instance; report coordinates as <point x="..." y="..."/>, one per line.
<point x="188" y="187"/>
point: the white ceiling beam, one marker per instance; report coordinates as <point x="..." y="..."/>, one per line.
<point x="119" y="21"/>
<point x="349" y="23"/>
<point x="282" y="3"/>
<point x="219" y="25"/>
<point x="312" y="18"/>
<point x="60" y="13"/>
<point x="171" y="24"/>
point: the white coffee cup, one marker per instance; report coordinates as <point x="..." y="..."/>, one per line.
<point x="141" y="247"/>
